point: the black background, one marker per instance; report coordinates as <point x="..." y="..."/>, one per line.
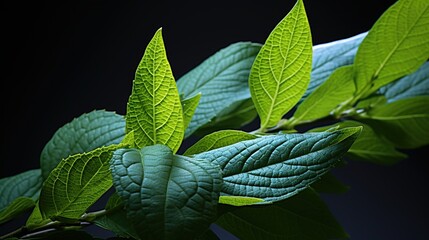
<point x="65" y="58"/>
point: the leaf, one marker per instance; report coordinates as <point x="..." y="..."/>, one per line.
<point x="16" y="208"/>
<point x="396" y="45"/>
<point x="189" y="105"/>
<point x="415" y="84"/>
<point x="337" y="89"/>
<point x="222" y="80"/>
<point x="118" y="223"/>
<point x="154" y="110"/>
<point x="218" y="139"/>
<point x="166" y="195"/>
<point x="275" y="167"/>
<point x="281" y="71"/>
<point x="328" y="57"/>
<point x="25" y="184"/>
<point x="404" y="122"/>
<point x="301" y="217"/>
<point x="328" y="183"/>
<point x="83" y="134"/>
<point x="36" y="219"/>
<point x="76" y="183"/>
<point x="239" y="200"/>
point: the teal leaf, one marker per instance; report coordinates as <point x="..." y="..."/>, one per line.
<point x="222" y="80"/>
<point x="16" y="208"/>
<point x="83" y="134"/>
<point x="281" y="71"/>
<point x="275" y="167"/>
<point x="25" y="184"/>
<point x="166" y="195"/>
<point x="302" y="217"/>
<point x="404" y="122"/>
<point x="397" y="45"/>
<point x="415" y="84"/>
<point x="154" y="110"/>
<point x="189" y="105"/>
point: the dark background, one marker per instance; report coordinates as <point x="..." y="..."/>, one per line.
<point x="62" y="59"/>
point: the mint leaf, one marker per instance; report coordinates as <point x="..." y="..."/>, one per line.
<point x="166" y="195"/>
<point x="154" y="110"/>
<point x="281" y="71"/>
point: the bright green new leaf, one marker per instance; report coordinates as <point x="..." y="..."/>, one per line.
<point x="222" y="80"/>
<point x="397" y="45"/>
<point x="189" y="105"/>
<point x="76" y="183"/>
<point x="281" y="71"/>
<point x="275" y="167"/>
<point x="85" y="133"/>
<point x="16" y="208"/>
<point x="301" y="217"/>
<point x="218" y="139"/>
<point x="415" y="84"/>
<point x="166" y="195"/>
<point x="26" y="184"/>
<point x="239" y="200"/>
<point x="154" y="110"/>
<point x="337" y="89"/>
<point x="404" y="122"/>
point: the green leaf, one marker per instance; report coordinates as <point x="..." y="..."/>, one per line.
<point x="328" y="57"/>
<point x="396" y="45"/>
<point x="25" y="184"/>
<point x="222" y="80"/>
<point x="83" y="134"/>
<point x="415" y="84"/>
<point x="154" y="110"/>
<point x="76" y="183"/>
<point x="166" y="195"/>
<point x="281" y="71"/>
<point x="301" y="217"/>
<point x="275" y="167"/>
<point x="36" y="219"/>
<point x="218" y="139"/>
<point x="328" y="183"/>
<point x="189" y="105"/>
<point x="16" y="208"/>
<point x="337" y="89"/>
<point x="404" y="122"/>
<point x="239" y="200"/>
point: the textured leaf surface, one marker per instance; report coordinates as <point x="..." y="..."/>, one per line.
<point x="189" y="105"/>
<point x="404" y="122"/>
<point x="415" y="84"/>
<point x="222" y="80"/>
<point x="154" y="110"/>
<point x="83" y="134"/>
<point x="166" y="195"/>
<point x="276" y="167"/>
<point x="76" y="183"/>
<point x="397" y="45"/>
<point x="16" y="208"/>
<point x="281" y="71"/>
<point x="25" y="184"/>
<point x="239" y="200"/>
<point x="301" y="217"/>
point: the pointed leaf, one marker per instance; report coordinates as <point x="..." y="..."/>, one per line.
<point x="166" y="195"/>
<point x="16" y="208"/>
<point x="222" y="80"/>
<point x="276" y="167"/>
<point x="301" y="217"/>
<point x="239" y="200"/>
<point x="85" y="133"/>
<point x="397" y="45"/>
<point x="189" y="105"/>
<point x="154" y="111"/>
<point x="281" y="71"/>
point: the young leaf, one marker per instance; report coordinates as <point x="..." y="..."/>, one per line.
<point x="26" y="184"/>
<point x="404" y="122"/>
<point x="76" y="183"/>
<point x="281" y="71"/>
<point x="221" y="79"/>
<point x="85" y="133"/>
<point x="301" y="217"/>
<point x="166" y="195"/>
<point x="395" y="46"/>
<point x="415" y="84"/>
<point x="154" y="110"/>
<point x="16" y="208"/>
<point x="338" y="88"/>
<point x="239" y="200"/>
<point x="276" y="167"/>
<point x="218" y="139"/>
<point x="189" y="105"/>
